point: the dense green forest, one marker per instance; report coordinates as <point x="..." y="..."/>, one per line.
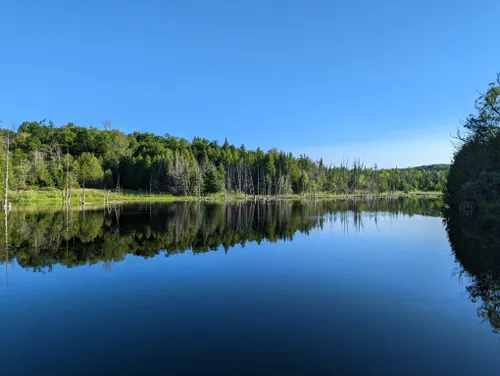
<point x="474" y="176"/>
<point x="42" y="155"/>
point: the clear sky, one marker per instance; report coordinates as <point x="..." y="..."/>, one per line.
<point x="386" y="81"/>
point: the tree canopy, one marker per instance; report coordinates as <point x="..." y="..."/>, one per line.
<point x="43" y="155"/>
<point x="474" y="176"/>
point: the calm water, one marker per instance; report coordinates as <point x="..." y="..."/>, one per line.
<point x="367" y="288"/>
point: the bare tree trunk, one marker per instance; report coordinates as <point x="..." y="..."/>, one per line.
<point x="6" y="194"/>
<point x="117" y="168"/>
<point x="251" y="190"/>
<point x="245" y="185"/>
<point x="258" y="181"/>
<point x="239" y="177"/>
<point x="67" y="198"/>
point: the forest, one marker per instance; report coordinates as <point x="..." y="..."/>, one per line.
<point x="40" y="155"/>
<point x="474" y="176"/>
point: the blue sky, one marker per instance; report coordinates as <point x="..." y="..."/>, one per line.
<point x="386" y="81"/>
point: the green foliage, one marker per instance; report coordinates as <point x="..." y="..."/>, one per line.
<point x="170" y="165"/>
<point x="434" y="167"/>
<point x="108" y="178"/>
<point x="88" y="169"/>
<point x="213" y="179"/>
<point x="474" y="176"/>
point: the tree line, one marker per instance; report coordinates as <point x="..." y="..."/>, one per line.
<point x="41" y="155"/>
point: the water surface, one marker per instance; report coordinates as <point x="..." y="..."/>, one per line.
<point x="289" y="288"/>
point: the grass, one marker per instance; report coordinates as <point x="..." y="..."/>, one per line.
<point x="92" y="197"/>
<point x="95" y="197"/>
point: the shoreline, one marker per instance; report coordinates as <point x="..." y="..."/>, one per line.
<point x="97" y="198"/>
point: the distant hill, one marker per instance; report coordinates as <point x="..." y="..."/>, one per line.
<point x="433" y="167"/>
<point x="426" y="168"/>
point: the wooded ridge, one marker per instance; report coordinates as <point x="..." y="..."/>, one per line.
<point x="41" y="155"/>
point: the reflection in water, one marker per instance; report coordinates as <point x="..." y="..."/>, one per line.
<point x="6" y="238"/>
<point x="476" y="245"/>
<point x="376" y="299"/>
<point x="40" y="240"/>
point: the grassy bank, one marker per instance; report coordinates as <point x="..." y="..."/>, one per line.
<point x="95" y="197"/>
<point x="92" y="197"/>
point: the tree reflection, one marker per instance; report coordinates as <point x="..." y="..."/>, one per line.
<point x="40" y="239"/>
<point x="476" y="245"/>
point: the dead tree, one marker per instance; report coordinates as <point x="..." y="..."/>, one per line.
<point x="6" y="194"/>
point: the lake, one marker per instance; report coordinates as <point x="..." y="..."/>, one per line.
<point x="272" y="288"/>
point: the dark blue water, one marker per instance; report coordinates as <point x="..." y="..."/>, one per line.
<point x="353" y="291"/>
